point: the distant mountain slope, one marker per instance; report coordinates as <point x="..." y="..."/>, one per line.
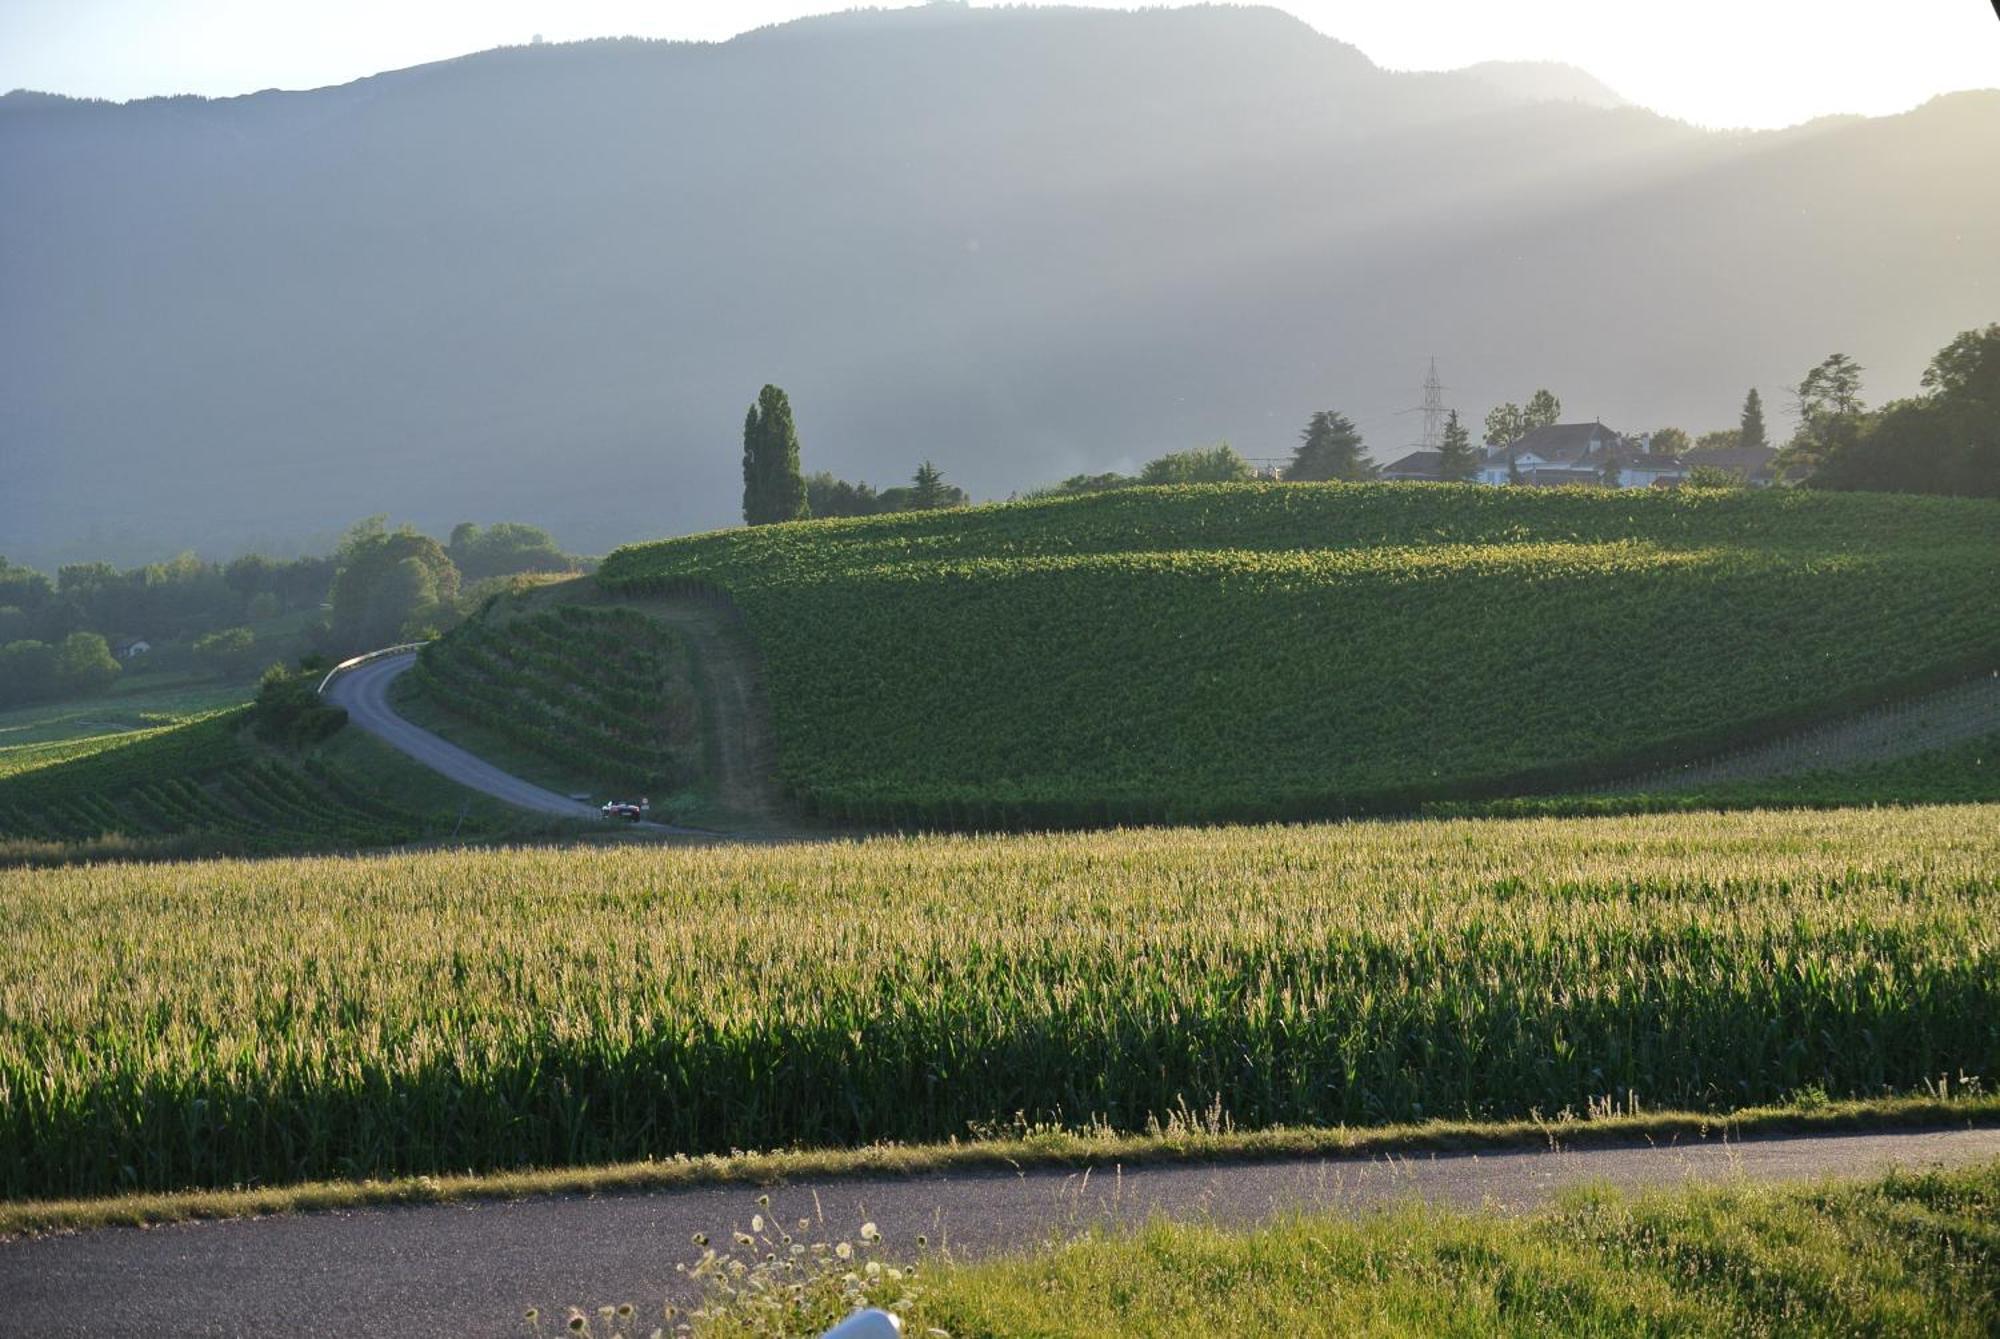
<point x="543" y="282"/>
<point x="1546" y="81"/>
<point x="1294" y="651"/>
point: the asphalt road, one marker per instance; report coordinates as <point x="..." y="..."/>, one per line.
<point x="471" y="1269"/>
<point x="364" y="691"/>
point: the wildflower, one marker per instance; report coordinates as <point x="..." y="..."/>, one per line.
<point x="763" y="1201"/>
<point x="870" y="1234"/>
<point x="756" y="1222"/>
<point x="846" y="1252"/>
<point x="699" y="1239"/>
<point x="625" y="1311"/>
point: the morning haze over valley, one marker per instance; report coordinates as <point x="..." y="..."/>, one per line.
<point x="539" y="283"/>
<point x="981" y="671"/>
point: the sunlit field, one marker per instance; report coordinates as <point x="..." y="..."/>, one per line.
<point x="212" y="1024"/>
<point x="1250" y="652"/>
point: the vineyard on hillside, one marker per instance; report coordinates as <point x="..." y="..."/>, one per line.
<point x="203" y="785"/>
<point x="255" y="1023"/>
<point x="1259" y="651"/>
<point x="1967" y="773"/>
<point x="603" y="696"/>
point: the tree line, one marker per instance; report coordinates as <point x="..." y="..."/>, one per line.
<point x="775" y="489"/>
<point x="62" y="637"/>
<point x="1945" y="440"/>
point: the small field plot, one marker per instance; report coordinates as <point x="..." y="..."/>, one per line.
<point x="34" y="737"/>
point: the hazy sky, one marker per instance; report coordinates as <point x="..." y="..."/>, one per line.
<point x="1715" y="62"/>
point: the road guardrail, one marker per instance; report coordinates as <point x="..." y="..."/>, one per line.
<point x="357" y="661"/>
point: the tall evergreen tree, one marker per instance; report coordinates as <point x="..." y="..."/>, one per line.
<point x="773" y="488"/>
<point x="1753" y="421"/>
<point x="927" y="488"/>
<point x="1329" y="448"/>
<point x="1457" y="461"/>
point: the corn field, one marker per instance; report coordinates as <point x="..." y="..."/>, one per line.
<point x="220" y="1023"/>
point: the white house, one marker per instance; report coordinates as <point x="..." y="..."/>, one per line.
<point x="1562" y="453"/>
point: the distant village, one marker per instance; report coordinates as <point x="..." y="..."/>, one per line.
<point x="1591" y="453"/>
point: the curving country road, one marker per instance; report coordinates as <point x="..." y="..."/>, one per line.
<point x="470" y="1269"/>
<point x="364" y="691"/>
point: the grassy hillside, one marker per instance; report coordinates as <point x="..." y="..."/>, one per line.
<point x="42" y="736"/>
<point x="1295" y="651"/>
<point x="267" y="1022"/>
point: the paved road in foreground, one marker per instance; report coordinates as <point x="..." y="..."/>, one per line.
<point x="471" y="1269"/>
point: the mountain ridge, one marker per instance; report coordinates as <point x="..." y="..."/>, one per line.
<point x="1026" y="245"/>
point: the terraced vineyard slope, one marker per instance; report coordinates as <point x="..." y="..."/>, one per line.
<point x="1287" y="651"/>
<point x="207" y="786"/>
<point x="579" y="699"/>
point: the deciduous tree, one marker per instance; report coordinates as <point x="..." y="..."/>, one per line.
<point x="1544" y="410"/>
<point x="1828" y="406"/>
<point x="85" y="665"/>
<point x="1670" y="441"/>
<point x="1217" y="464"/>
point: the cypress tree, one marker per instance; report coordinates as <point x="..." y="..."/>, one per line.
<point x="773" y="487"/>
<point x="1753" y="420"/>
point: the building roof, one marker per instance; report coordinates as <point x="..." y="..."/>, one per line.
<point x="1653" y="462"/>
<point x="1416" y="465"/>
<point x="1749" y="461"/>
<point x="1561" y="441"/>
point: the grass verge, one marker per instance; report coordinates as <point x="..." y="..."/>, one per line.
<point x="1905" y="1255"/>
<point x="1188" y="1140"/>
